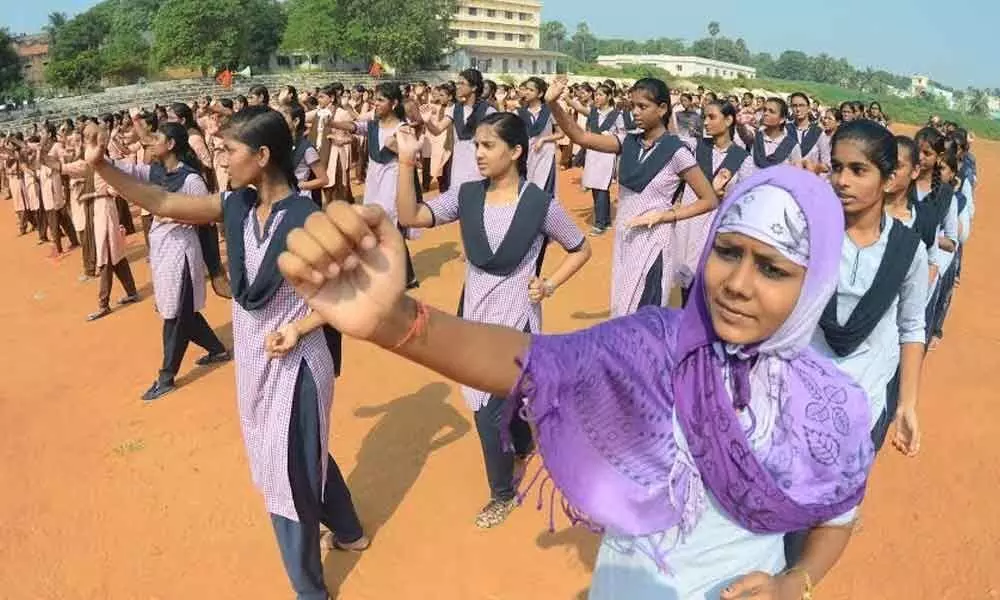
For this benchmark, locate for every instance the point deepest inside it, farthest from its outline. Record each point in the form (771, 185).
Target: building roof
(26, 51)
(510, 50)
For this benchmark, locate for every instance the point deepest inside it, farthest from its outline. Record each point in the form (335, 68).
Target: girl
(541, 133)
(847, 112)
(949, 179)
(258, 96)
(653, 165)
(284, 396)
(875, 114)
(689, 436)
(336, 144)
(599, 167)
(873, 328)
(724, 163)
(51, 187)
(506, 222)
(463, 119)
(941, 216)
(901, 204)
(442, 143)
(830, 121)
(16, 185)
(774, 143)
(175, 258)
(208, 235)
(807, 133)
(380, 134)
(309, 171)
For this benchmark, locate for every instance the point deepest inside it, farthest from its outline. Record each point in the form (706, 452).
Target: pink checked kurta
(599, 167)
(635, 250)
(381, 179)
(109, 240)
(691, 235)
(265, 387)
(51, 182)
(494, 298)
(441, 144)
(463, 162)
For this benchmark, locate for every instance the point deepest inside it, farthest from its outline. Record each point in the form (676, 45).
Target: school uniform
(463, 160)
(54, 202)
(284, 403)
(18, 199)
(691, 235)
(382, 178)
(178, 272)
(879, 305)
(808, 138)
(824, 152)
(768, 151)
(541, 163)
(339, 148)
(599, 167)
(938, 211)
(641, 262)
(33, 201)
(505, 247)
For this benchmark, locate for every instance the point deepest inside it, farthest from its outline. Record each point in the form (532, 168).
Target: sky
(901, 36)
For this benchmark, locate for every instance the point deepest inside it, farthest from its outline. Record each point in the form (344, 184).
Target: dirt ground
(103, 497)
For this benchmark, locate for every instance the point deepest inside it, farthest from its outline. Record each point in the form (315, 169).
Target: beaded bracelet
(807, 594)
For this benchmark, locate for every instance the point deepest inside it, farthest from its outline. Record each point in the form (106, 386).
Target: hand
(721, 180)
(349, 264)
(95, 141)
(649, 219)
(556, 88)
(538, 290)
(407, 143)
(279, 343)
(538, 145)
(761, 586)
(907, 436)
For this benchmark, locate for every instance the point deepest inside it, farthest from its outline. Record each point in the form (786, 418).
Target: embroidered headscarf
(604, 400)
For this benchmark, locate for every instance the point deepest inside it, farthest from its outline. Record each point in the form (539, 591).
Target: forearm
(698, 207)
(181, 207)
(910, 364)
(308, 324)
(409, 212)
(488, 353)
(823, 548)
(569, 266)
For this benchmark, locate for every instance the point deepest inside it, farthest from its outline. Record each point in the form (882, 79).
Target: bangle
(417, 327)
(549, 288)
(808, 592)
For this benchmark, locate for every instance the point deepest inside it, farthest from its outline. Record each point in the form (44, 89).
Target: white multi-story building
(500, 36)
(681, 66)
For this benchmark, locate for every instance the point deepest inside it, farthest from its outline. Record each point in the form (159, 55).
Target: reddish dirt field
(106, 498)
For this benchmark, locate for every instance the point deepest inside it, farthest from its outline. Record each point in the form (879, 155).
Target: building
(33, 52)
(921, 85)
(681, 66)
(500, 36)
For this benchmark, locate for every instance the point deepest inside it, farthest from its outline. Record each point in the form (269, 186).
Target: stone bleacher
(185, 90)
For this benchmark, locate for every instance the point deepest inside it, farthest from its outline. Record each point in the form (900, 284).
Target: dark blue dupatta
(635, 174)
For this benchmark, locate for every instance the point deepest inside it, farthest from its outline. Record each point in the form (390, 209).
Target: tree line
(584, 47)
(123, 40)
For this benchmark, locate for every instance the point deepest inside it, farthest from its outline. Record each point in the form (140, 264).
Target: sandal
(495, 513)
(359, 545)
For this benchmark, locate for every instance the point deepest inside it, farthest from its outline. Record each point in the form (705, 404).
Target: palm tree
(713, 31)
(979, 102)
(56, 22)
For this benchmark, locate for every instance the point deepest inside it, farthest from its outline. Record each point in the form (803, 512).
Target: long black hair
(909, 148)
(392, 92)
(183, 112)
(260, 126)
(727, 110)
(936, 140)
(475, 79)
(657, 91)
(875, 141)
(511, 129)
(178, 134)
(296, 112)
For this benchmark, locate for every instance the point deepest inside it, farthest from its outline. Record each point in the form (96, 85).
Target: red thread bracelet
(417, 327)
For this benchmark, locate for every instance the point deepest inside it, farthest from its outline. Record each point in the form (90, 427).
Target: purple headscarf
(603, 402)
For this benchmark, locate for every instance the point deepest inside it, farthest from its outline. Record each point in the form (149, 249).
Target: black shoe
(158, 390)
(412, 284)
(99, 314)
(130, 299)
(211, 359)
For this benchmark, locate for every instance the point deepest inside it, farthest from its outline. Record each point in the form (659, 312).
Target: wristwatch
(548, 287)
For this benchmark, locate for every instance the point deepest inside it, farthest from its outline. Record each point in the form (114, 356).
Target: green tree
(199, 34)
(979, 102)
(405, 35)
(10, 66)
(316, 26)
(553, 36)
(57, 20)
(792, 64)
(583, 44)
(75, 60)
(264, 26)
(713, 32)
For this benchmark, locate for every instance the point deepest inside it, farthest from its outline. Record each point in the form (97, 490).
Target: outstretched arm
(586, 139)
(181, 207)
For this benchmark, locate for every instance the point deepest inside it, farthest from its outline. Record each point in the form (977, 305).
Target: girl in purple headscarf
(694, 439)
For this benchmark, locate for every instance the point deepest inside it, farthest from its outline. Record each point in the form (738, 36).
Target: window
(473, 63)
(509, 15)
(548, 66)
(314, 59)
(473, 35)
(523, 16)
(521, 37)
(520, 64)
(679, 68)
(509, 37)
(473, 11)
(491, 35)
(283, 61)
(505, 65)
(490, 12)
(534, 67)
